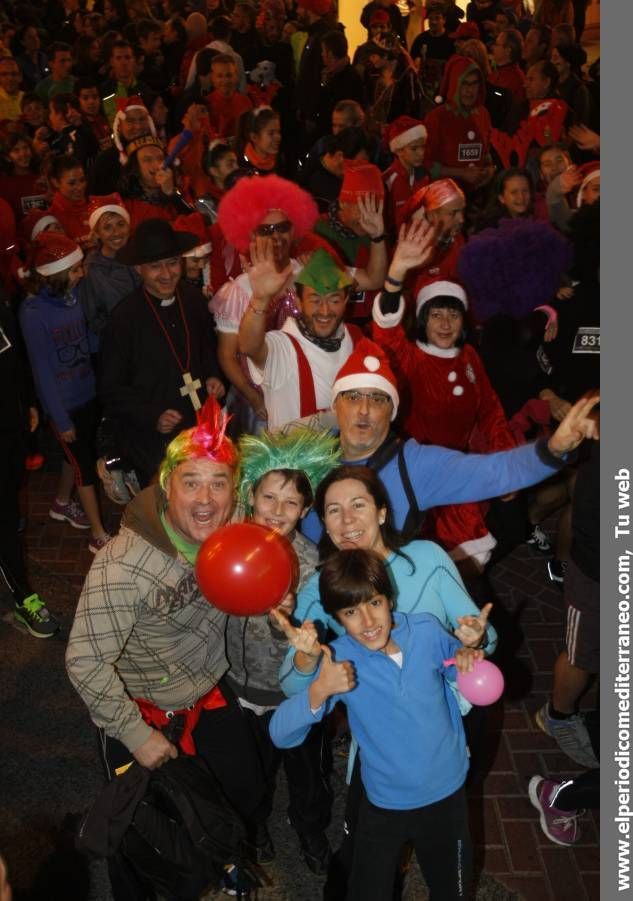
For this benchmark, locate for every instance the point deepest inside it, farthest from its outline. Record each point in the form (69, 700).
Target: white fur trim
(372, 364)
(200, 250)
(477, 548)
(116, 125)
(41, 224)
(357, 380)
(60, 265)
(407, 137)
(387, 320)
(437, 289)
(434, 351)
(108, 208)
(585, 182)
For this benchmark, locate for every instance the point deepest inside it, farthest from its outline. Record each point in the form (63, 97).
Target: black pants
(12, 568)
(440, 835)
(224, 740)
(306, 769)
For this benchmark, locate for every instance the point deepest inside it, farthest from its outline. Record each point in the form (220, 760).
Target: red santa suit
(457, 138)
(400, 182)
(447, 400)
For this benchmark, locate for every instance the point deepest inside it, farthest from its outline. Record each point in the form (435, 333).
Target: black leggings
(306, 768)
(440, 836)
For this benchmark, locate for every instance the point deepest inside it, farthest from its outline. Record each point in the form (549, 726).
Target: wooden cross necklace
(190, 386)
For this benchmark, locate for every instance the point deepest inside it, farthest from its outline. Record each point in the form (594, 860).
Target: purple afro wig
(513, 268)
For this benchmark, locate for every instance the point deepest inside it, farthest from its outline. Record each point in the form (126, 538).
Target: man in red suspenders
(296, 365)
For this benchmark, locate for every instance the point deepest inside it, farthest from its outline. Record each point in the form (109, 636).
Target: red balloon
(245, 569)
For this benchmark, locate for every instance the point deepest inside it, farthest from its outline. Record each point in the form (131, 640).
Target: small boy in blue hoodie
(388, 669)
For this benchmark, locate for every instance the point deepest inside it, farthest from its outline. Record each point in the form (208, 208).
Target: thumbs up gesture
(471, 629)
(333, 679)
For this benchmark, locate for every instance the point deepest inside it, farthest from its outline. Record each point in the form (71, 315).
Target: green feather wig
(313, 453)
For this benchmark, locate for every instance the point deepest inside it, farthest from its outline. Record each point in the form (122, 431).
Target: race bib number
(587, 341)
(34, 202)
(469, 153)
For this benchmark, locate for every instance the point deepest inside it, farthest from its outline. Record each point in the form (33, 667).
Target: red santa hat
(360, 178)
(318, 7)
(194, 224)
(367, 367)
(106, 203)
(123, 105)
(54, 253)
(34, 223)
(465, 31)
(440, 288)
(404, 130)
(589, 171)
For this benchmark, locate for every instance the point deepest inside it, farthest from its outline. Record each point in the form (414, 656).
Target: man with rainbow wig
(146, 649)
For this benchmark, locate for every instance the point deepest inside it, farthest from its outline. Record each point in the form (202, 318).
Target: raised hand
(414, 248)
(165, 181)
(584, 138)
(578, 424)
(266, 281)
(569, 179)
(471, 629)
(371, 219)
(333, 679)
(304, 639)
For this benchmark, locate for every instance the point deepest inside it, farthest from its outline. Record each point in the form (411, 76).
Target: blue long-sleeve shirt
(440, 476)
(406, 719)
(56, 338)
(432, 585)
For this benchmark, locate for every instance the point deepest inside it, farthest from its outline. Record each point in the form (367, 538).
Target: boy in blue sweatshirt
(388, 669)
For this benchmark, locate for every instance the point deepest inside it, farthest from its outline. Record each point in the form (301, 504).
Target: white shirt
(279, 378)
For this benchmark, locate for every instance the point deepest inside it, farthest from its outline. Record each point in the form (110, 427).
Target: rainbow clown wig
(247, 204)
(300, 449)
(205, 441)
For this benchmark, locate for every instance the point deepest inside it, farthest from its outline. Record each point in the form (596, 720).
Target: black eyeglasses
(275, 228)
(373, 398)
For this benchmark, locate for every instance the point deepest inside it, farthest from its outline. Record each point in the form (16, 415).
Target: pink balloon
(483, 686)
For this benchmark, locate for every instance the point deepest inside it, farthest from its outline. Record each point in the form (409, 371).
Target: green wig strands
(314, 453)
(205, 441)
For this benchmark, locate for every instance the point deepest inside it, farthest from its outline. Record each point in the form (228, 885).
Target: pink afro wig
(244, 207)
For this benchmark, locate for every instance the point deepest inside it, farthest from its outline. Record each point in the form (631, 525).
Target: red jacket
(512, 78)
(399, 186)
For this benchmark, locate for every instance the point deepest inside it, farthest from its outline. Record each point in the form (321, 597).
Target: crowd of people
(245, 276)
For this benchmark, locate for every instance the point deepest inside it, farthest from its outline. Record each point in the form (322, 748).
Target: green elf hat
(322, 273)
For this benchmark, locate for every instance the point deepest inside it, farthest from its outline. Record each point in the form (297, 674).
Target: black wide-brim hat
(154, 240)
